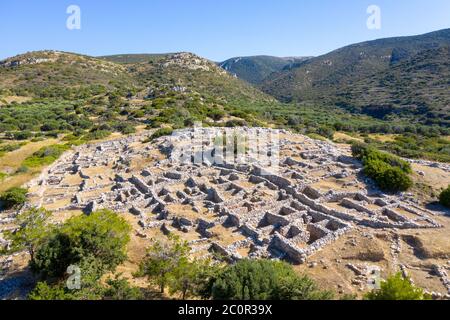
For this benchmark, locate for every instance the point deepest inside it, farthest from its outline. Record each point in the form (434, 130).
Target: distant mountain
(257, 68)
(418, 86)
(380, 73)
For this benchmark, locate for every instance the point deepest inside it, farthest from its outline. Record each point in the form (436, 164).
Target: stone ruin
(227, 209)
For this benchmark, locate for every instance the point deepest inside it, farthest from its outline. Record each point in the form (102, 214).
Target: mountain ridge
(330, 78)
(255, 69)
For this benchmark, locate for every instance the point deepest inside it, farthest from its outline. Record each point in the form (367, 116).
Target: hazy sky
(216, 29)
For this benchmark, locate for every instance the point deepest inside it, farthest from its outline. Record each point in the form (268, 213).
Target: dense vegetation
(444, 197)
(388, 79)
(10, 147)
(13, 198)
(264, 280)
(172, 90)
(168, 264)
(388, 171)
(397, 287)
(62, 75)
(418, 144)
(46, 155)
(95, 244)
(161, 133)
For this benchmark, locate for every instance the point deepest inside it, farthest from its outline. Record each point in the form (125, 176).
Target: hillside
(76, 92)
(56, 74)
(188, 73)
(132, 58)
(327, 78)
(43, 94)
(256, 69)
(418, 86)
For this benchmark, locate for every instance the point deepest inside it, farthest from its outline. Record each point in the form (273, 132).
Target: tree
(190, 277)
(161, 133)
(444, 197)
(120, 289)
(13, 198)
(326, 132)
(216, 114)
(33, 229)
(95, 243)
(397, 287)
(300, 288)
(45, 292)
(263, 280)
(164, 260)
(51, 292)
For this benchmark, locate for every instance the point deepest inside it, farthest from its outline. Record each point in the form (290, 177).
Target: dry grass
(10, 99)
(383, 137)
(225, 236)
(343, 137)
(13, 160)
(436, 178)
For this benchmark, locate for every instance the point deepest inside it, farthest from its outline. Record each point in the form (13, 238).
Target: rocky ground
(315, 209)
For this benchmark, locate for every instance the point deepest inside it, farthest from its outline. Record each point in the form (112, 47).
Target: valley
(357, 189)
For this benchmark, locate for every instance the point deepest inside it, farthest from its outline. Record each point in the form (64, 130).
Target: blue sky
(215, 29)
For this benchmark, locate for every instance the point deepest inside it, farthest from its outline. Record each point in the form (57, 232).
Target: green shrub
(444, 197)
(98, 135)
(22, 169)
(96, 243)
(394, 180)
(359, 150)
(22, 135)
(388, 171)
(115, 289)
(263, 280)
(300, 288)
(45, 156)
(161, 133)
(11, 147)
(216, 114)
(45, 292)
(163, 260)
(33, 228)
(13, 198)
(316, 136)
(126, 129)
(240, 114)
(235, 123)
(397, 288)
(327, 132)
(120, 289)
